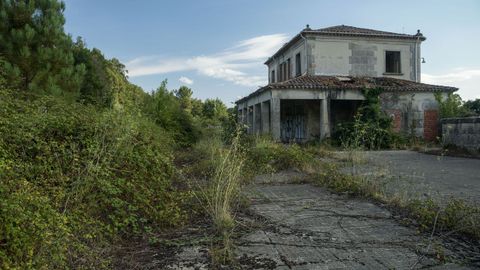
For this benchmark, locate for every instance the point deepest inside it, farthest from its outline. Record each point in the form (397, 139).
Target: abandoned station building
(316, 81)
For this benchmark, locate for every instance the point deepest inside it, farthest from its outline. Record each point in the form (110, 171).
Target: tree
(37, 52)
(164, 108)
(214, 109)
(197, 107)
(451, 106)
(95, 88)
(473, 106)
(184, 95)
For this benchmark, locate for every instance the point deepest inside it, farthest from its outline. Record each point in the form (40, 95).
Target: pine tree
(184, 95)
(37, 52)
(95, 88)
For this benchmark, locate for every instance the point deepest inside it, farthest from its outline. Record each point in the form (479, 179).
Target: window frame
(399, 71)
(298, 65)
(288, 63)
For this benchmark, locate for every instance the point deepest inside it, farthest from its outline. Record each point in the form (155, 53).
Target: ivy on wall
(371, 128)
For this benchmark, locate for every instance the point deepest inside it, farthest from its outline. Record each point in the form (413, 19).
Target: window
(298, 65)
(288, 69)
(279, 73)
(392, 62)
(272, 77)
(284, 71)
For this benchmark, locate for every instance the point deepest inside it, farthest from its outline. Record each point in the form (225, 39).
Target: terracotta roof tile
(321, 82)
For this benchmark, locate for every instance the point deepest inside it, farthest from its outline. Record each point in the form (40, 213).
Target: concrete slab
(311, 228)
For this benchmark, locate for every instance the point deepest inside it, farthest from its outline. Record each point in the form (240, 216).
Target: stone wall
(462, 132)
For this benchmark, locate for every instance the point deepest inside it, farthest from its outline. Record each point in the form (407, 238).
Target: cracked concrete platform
(307, 227)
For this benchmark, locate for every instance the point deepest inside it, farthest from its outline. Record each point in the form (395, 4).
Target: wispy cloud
(467, 80)
(232, 64)
(186, 80)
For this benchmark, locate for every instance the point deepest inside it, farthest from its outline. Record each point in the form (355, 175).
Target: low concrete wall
(462, 132)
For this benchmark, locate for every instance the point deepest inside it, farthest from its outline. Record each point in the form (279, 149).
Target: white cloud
(186, 80)
(466, 80)
(231, 65)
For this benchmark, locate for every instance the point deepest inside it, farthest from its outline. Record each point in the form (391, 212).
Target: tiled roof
(356, 31)
(321, 82)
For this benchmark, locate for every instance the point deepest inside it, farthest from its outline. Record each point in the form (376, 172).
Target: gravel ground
(423, 175)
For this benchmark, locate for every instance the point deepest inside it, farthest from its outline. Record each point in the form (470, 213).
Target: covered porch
(309, 107)
(298, 115)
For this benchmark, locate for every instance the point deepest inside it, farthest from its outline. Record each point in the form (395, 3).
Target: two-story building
(315, 82)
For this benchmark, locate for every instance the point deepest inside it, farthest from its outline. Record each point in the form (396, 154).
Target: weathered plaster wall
(412, 112)
(462, 132)
(298, 47)
(361, 57)
(317, 94)
(408, 110)
(350, 56)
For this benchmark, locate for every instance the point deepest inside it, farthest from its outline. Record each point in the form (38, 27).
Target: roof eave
(392, 36)
(436, 88)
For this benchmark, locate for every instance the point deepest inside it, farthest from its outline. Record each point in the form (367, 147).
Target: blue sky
(218, 47)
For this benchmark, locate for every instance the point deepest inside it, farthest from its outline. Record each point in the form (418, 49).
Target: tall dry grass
(220, 193)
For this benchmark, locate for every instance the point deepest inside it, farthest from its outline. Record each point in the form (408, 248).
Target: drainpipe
(305, 47)
(417, 42)
(416, 60)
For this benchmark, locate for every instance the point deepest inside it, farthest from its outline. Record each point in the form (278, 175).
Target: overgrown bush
(371, 127)
(76, 177)
(267, 156)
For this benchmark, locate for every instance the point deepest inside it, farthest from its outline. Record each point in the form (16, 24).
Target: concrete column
(275, 118)
(324, 118)
(245, 115)
(251, 119)
(240, 116)
(265, 108)
(254, 125)
(258, 117)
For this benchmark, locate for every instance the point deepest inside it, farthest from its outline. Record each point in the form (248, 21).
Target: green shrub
(331, 177)
(33, 235)
(456, 216)
(267, 156)
(74, 178)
